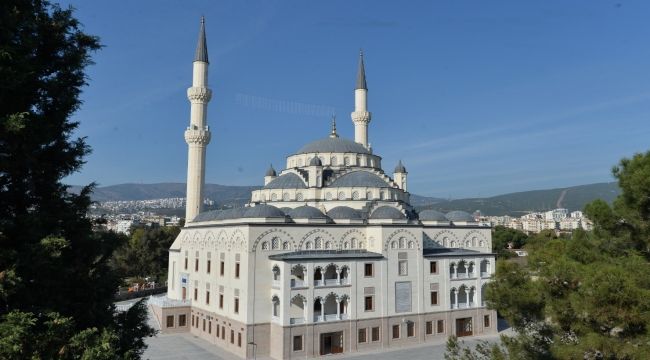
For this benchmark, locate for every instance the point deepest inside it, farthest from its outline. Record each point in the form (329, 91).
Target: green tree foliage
(56, 285)
(586, 296)
(146, 252)
(503, 236)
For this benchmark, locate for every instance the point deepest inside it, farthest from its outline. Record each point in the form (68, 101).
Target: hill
(519, 203)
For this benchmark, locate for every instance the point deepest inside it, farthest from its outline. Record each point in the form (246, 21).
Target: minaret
(197, 134)
(399, 174)
(361, 116)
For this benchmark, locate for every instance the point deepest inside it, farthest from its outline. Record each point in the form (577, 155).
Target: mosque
(327, 257)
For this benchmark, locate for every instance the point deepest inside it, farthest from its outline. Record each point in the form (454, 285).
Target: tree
(586, 296)
(56, 286)
(503, 236)
(146, 252)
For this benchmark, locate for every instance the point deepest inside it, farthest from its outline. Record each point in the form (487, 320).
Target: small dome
(400, 168)
(344, 212)
(306, 212)
(387, 212)
(432, 215)
(460, 216)
(315, 161)
(287, 181)
(235, 213)
(263, 211)
(271, 171)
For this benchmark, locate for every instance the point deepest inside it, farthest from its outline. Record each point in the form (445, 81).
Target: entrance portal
(331, 343)
(464, 327)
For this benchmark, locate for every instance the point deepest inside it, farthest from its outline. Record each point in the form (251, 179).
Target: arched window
(274, 197)
(346, 245)
(328, 196)
(411, 245)
(308, 245)
(369, 195)
(355, 195)
(354, 242)
(341, 195)
(474, 241)
(276, 306)
(299, 162)
(299, 197)
(265, 245)
(393, 245)
(285, 245)
(358, 160)
(361, 244)
(317, 243)
(452, 244)
(275, 243)
(402, 243)
(328, 245)
(333, 161)
(346, 161)
(285, 196)
(276, 273)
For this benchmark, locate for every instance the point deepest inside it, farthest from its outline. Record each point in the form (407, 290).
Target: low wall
(138, 294)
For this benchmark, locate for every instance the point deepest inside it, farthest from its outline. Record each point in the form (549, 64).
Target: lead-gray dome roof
(387, 212)
(458, 215)
(400, 168)
(432, 215)
(333, 145)
(235, 213)
(271, 171)
(287, 181)
(344, 212)
(315, 161)
(306, 212)
(263, 211)
(359, 178)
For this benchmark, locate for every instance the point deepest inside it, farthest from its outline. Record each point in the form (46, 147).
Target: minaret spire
(361, 116)
(361, 73)
(198, 133)
(201, 53)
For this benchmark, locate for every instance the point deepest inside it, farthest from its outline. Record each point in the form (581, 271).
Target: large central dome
(333, 145)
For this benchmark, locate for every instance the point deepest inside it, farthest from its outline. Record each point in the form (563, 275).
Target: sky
(477, 98)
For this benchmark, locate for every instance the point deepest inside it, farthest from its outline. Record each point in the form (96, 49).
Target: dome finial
(333, 134)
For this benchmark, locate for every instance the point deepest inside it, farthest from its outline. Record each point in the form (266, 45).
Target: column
(338, 277)
(322, 309)
(338, 308)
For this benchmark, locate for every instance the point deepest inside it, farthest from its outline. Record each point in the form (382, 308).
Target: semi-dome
(344, 212)
(263, 211)
(287, 181)
(333, 145)
(306, 212)
(360, 178)
(387, 212)
(235, 213)
(315, 161)
(432, 215)
(458, 215)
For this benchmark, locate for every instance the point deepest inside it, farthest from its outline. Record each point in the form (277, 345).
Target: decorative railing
(296, 321)
(331, 317)
(485, 274)
(165, 302)
(296, 283)
(332, 282)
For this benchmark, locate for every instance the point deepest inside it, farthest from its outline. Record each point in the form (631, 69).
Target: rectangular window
(209, 327)
(182, 320)
(186, 263)
(362, 336)
(232, 336)
(236, 270)
(410, 329)
(196, 264)
(220, 301)
(441, 327)
(236, 305)
(367, 270)
(207, 297)
(170, 321)
(223, 333)
(395, 331)
(434, 298)
(433, 267)
(204, 325)
(375, 334)
(218, 330)
(297, 343)
(239, 339)
(222, 267)
(429, 327)
(196, 294)
(208, 266)
(368, 303)
(486, 321)
(192, 320)
(403, 267)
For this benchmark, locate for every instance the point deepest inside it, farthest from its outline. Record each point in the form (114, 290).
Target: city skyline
(472, 106)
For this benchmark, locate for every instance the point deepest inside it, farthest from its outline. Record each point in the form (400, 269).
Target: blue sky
(477, 98)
